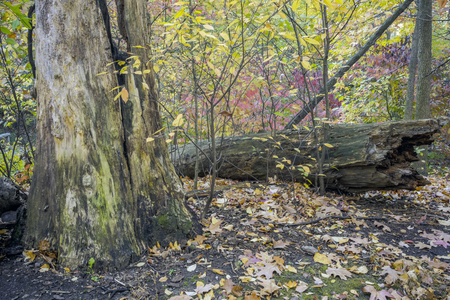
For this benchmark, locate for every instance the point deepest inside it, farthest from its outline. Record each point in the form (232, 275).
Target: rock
(9, 195)
(309, 250)
(9, 216)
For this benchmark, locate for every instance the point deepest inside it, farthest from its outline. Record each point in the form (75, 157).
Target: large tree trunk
(362, 157)
(99, 191)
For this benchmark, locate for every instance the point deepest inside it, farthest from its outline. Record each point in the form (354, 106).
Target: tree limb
(352, 60)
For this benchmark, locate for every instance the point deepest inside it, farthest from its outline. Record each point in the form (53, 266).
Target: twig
(331, 217)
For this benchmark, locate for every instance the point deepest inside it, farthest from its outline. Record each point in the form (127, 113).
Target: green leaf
(10, 41)
(5, 30)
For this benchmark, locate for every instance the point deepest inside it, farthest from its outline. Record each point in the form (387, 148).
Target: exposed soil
(250, 239)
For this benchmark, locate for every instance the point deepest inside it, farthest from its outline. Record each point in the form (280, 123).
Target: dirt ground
(277, 241)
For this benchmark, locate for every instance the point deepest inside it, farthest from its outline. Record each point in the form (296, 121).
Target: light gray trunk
(410, 90)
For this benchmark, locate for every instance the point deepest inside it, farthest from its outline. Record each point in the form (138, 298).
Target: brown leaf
(225, 113)
(442, 3)
(341, 272)
(268, 270)
(269, 286)
(280, 244)
(383, 227)
(228, 285)
(124, 94)
(392, 275)
(237, 290)
(252, 296)
(215, 226)
(376, 295)
(44, 245)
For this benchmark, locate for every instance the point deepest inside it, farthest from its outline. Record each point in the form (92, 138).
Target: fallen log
(357, 157)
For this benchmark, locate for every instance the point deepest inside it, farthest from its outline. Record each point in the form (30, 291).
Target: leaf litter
(281, 241)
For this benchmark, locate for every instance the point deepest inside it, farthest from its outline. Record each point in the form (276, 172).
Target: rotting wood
(363, 157)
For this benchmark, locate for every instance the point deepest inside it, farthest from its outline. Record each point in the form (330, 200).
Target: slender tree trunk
(99, 190)
(424, 60)
(424, 73)
(410, 95)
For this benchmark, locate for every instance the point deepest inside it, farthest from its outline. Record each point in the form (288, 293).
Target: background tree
(100, 190)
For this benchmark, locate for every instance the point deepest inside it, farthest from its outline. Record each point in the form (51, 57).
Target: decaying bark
(99, 190)
(363, 157)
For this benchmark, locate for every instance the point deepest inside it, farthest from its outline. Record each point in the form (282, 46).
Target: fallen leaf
(301, 287)
(269, 287)
(237, 290)
(392, 275)
(181, 297)
(321, 258)
(191, 268)
(376, 295)
(218, 271)
(290, 284)
(341, 272)
(227, 285)
(163, 279)
(421, 245)
(280, 244)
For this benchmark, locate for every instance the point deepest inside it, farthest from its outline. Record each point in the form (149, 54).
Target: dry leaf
(321, 258)
(341, 272)
(269, 287)
(124, 94)
(237, 290)
(301, 287)
(218, 271)
(280, 244)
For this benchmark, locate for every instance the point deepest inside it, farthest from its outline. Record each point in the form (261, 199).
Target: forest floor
(272, 241)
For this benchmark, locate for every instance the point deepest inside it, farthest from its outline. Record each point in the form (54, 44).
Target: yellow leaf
(163, 279)
(295, 5)
(150, 139)
(178, 122)
(208, 27)
(125, 95)
(218, 271)
(328, 145)
(306, 65)
(102, 73)
(179, 14)
(44, 268)
(29, 255)
(168, 141)
(281, 166)
(118, 95)
(321, 258)
(224, 36)
(290, 268)
(67, 270)
(290, 284)
(311, 41)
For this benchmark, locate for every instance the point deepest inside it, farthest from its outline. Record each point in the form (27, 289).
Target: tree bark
(362, 157)
(347, 65)
(424, 55)
(410, 90)
(99, 190)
